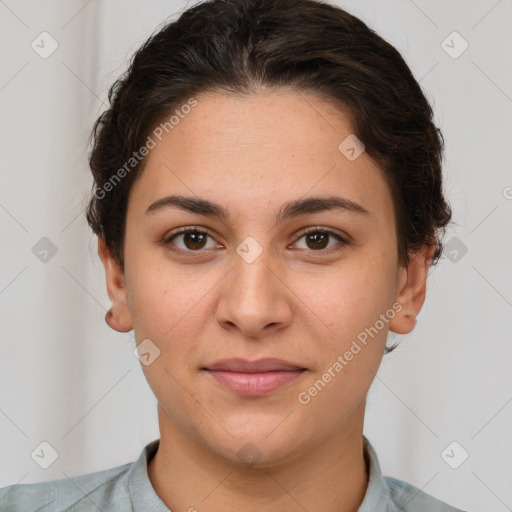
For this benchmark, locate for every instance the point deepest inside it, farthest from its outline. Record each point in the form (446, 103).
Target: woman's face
(255, 285)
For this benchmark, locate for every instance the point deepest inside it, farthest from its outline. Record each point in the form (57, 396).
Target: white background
(68, 379)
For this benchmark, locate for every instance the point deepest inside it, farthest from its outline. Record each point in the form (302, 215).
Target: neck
(331, 476)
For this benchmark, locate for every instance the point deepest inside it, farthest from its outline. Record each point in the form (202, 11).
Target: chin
(256, 449)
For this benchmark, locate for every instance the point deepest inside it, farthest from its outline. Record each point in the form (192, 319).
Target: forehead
(260, 151)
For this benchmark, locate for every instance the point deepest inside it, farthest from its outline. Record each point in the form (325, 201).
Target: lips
(258, 366)
(254, 378)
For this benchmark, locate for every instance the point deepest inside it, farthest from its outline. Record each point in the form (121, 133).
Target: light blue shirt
(127, 488)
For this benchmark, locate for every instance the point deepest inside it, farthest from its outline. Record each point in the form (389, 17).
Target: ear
(118, 317)
(412, 289)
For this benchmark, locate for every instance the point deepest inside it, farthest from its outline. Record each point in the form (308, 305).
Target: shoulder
(393, 495)
(103, 490)
(408, 498)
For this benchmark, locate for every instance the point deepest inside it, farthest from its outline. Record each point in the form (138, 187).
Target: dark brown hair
(238, 47)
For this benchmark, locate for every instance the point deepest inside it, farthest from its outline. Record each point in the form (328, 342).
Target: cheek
(349, 356)
(163, 299)
(166, 309)
(171, 309)
(350, 298)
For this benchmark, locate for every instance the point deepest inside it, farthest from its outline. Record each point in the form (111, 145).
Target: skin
(298, 301)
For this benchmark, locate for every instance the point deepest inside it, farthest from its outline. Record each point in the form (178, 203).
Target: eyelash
(342, 241)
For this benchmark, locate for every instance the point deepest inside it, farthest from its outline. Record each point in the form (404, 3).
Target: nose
(255, 298)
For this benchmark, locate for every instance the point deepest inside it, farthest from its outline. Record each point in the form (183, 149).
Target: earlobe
(412, 290)
(118, 317)
(113, 322)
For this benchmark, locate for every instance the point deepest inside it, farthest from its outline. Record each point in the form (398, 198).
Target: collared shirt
(127, 488)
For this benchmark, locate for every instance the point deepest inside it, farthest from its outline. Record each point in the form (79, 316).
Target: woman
(268, 203)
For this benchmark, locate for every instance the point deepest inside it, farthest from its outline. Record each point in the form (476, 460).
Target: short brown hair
(238, 46)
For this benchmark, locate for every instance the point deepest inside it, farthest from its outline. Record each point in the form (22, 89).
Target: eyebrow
(288, 210)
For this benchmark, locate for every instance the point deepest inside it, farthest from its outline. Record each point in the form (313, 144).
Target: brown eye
(318, 240)
(192, 240)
